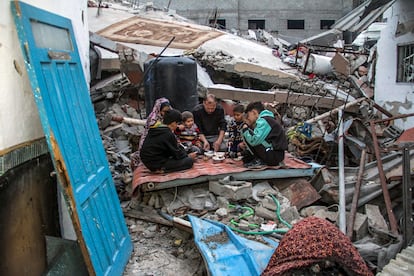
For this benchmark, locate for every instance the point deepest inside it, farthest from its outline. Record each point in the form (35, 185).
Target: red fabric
(142, 175)
(314, 240)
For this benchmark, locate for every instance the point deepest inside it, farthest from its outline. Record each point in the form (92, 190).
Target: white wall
(398, 98)
(19, 119)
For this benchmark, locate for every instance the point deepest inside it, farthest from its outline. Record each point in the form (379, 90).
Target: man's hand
(206, 146)
(193, 155)
(216, 145)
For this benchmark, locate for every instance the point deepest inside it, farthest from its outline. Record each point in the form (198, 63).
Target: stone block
(375, 218)
(329, 215)
(360, 226)
(290, 214)
(265, 213)
(232, 190)
(269, 203)
(311, 210)
(300, 193)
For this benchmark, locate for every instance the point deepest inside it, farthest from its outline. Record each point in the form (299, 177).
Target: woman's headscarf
(155, 114)
(154, 117)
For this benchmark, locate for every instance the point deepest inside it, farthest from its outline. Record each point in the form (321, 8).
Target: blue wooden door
(61, 93)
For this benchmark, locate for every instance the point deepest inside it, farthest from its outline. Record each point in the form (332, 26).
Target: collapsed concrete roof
(139, 30)
(150, 34)
(354, 22)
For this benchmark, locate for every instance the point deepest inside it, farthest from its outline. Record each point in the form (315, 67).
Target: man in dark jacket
(266, 139)
(209, 117)
(160, 151)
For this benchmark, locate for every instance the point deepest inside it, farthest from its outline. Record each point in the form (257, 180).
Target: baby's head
(188, 119)
(238, 112)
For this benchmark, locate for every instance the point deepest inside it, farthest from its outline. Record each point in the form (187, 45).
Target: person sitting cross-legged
(189, 135)
(209, 117)
(160, 151)
(266, 140)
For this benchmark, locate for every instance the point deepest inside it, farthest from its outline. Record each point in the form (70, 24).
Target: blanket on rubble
(142, 175)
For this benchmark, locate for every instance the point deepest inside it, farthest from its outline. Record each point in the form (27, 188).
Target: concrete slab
(232, 190)
(375, 218)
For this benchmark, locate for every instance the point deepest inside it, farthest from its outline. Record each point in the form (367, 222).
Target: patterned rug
(143, 175)
(158, 33)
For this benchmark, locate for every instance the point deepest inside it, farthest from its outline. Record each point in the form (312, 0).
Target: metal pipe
(342, 201)
(383, 110)
(401, 116)
(407, 198)
(385, 192)
(357, 191)
(333, 111)
(307, 60)
(131, 121)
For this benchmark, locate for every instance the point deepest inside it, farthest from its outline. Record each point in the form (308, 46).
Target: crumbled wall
(395, 97)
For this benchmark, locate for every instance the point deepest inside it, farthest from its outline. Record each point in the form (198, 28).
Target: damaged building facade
(396, 52)
(291, 20)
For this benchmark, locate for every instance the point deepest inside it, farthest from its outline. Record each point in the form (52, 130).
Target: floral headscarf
(155, 114)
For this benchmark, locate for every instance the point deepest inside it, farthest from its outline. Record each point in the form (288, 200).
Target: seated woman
(154, 119)
(160, 151)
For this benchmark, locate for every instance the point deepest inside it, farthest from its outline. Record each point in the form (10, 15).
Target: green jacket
(267, 132)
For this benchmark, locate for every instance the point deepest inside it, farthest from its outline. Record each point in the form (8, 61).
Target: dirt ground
(162, 251)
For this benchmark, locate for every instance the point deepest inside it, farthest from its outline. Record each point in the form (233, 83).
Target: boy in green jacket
(265, 138)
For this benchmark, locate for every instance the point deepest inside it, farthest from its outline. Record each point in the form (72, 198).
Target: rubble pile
(162, 250)
(113, 101)
(322, 96)
(252, 207)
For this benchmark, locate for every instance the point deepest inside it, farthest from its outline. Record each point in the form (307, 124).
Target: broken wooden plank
(150, 216)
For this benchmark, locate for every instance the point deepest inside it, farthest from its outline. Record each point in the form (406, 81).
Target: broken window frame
(295, 24)
(256, 24)
(405, 63)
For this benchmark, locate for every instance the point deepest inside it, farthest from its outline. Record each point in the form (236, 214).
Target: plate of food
(217, 159)
(219, 154)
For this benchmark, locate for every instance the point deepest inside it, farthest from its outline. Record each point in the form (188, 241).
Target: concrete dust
(158, 251)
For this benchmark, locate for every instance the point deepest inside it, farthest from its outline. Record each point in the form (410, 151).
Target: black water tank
(174, 78)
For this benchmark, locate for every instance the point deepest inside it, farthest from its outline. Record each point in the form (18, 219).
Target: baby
(188, 134)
